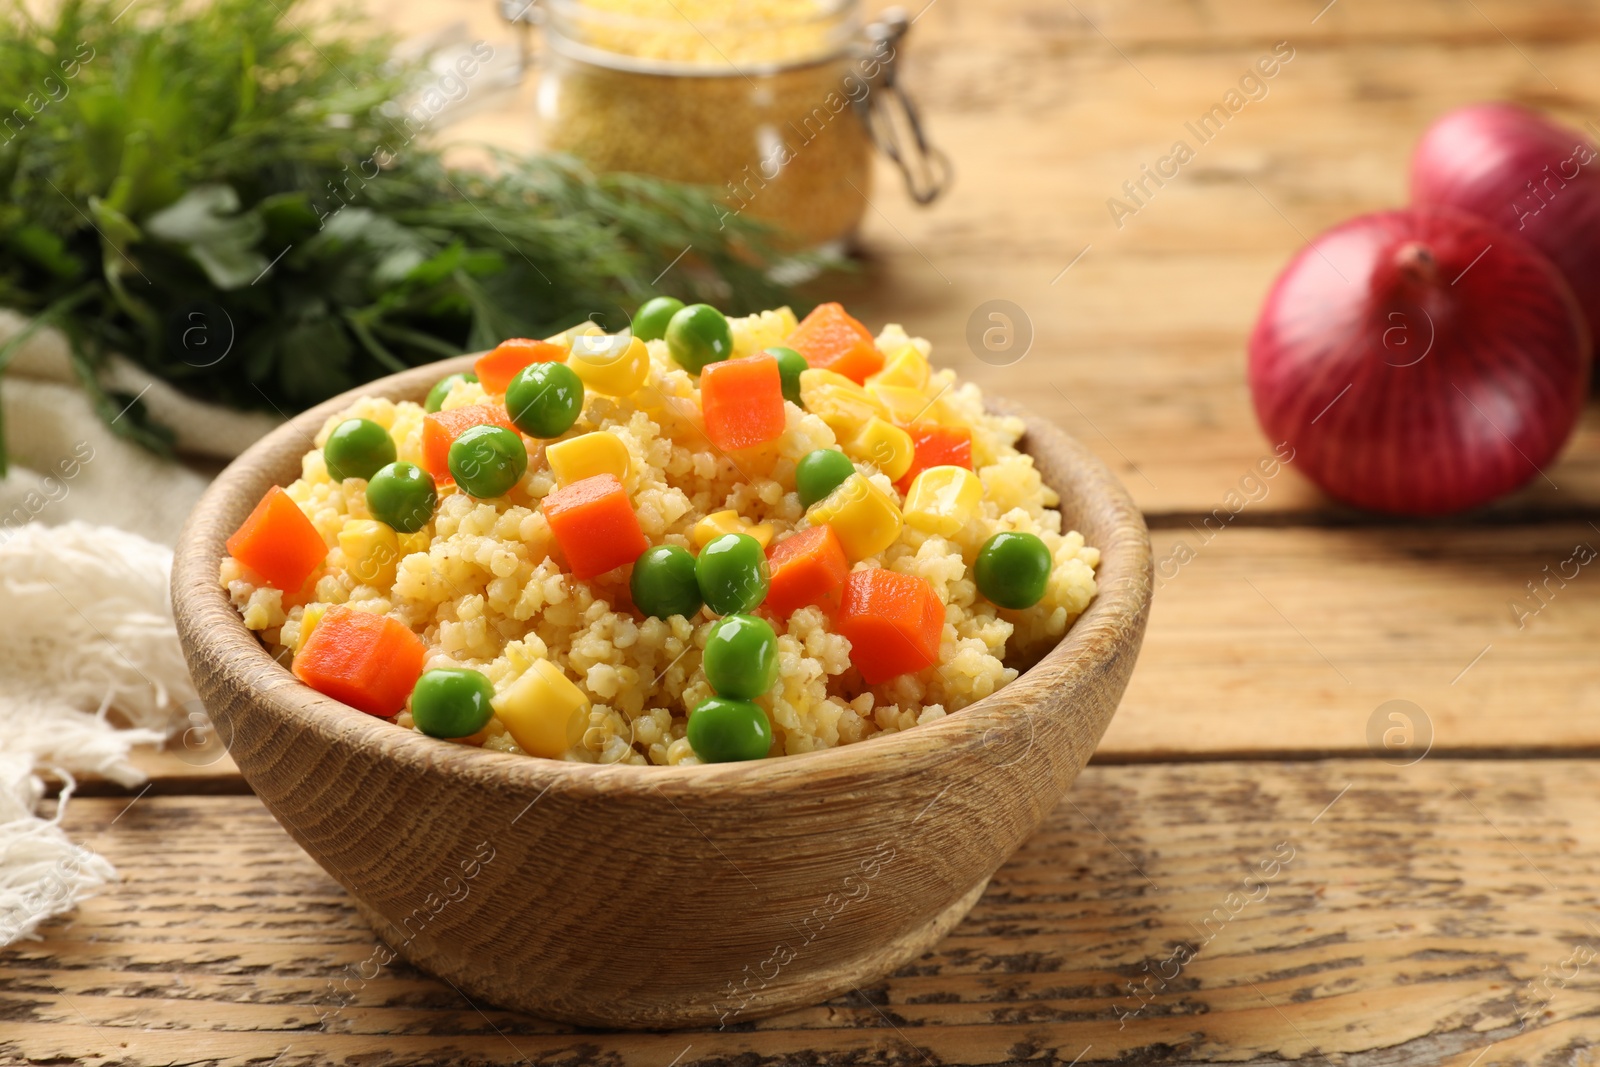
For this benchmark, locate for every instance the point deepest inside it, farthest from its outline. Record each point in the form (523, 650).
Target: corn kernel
(839, 402)
(863, 517)
(884, 445)
(907, 368)
(371, 552)
(722, 522)
(586, 455)
(614, 365)
(943, 499)
(543, 711)
(308, 622)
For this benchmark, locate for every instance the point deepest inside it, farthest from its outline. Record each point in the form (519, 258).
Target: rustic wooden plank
(1287, 641)
(1398, 914)
(172, 770)
(166, 772)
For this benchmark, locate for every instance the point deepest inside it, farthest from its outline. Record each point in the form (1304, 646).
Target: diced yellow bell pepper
(371, 552)
(941, 500)
(839, 402)
(722, 522)
(308, 622)
(907, 368)
(884, 445)
(863, 517)
(610, 364)
(544, 711)
(586, 455)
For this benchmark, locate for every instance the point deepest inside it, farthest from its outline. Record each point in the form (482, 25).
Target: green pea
(741, 657)
(402, 495)
(732, 573)
(819, 473)
(790, 364)
(726, 731)
(1013, 569)
(487, 460)
(356, 449)
(451, 702)
(650, 321)
(698, 335)
(442, 387)
(545, 399)
(664, 583)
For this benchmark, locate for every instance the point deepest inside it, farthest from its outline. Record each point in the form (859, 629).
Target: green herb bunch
(244, 201)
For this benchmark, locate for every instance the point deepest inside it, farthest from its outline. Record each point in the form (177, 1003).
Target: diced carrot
(370, 662)
(441, 428)
(808, 568)
(936, 446)
(894, 623)
(498, 366)
(742, 402)
(594, 523)
(831, 339)
(278, 542)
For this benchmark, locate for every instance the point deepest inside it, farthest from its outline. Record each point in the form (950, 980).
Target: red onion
(1523, 173)
(1419, 362)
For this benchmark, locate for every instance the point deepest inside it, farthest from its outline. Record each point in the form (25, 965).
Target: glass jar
(776, 103)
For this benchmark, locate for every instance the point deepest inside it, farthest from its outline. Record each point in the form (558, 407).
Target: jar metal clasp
(524, 15)
(891, 116)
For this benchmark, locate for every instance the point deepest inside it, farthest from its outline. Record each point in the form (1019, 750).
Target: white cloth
(89, 629)
(89, 658)
(42, 873)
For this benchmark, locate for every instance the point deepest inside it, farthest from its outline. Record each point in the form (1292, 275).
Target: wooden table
(1437, 906)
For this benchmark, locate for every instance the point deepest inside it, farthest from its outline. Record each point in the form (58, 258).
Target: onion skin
(1524, 173)
(1411, 371)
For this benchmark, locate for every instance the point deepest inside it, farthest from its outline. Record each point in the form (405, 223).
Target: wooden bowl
(624, 896)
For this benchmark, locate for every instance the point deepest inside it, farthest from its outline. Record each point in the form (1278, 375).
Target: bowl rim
(220, 640)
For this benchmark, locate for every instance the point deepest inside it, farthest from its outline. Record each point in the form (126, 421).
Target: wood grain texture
(443, 845)
(1416, 916)
(1271, 642)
